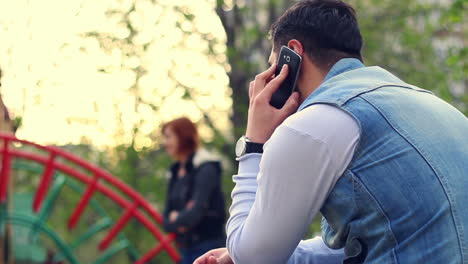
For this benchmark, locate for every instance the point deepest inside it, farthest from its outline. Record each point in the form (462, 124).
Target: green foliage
(416, 41)
(454, 14)
(419, 43)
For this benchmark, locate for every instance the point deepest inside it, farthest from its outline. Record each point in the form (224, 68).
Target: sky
(71, 87)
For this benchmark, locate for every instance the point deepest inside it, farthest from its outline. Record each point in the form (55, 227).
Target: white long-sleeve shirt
(278, 193)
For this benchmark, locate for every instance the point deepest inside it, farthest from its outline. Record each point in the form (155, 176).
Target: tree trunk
(248, 48)
(6, 250)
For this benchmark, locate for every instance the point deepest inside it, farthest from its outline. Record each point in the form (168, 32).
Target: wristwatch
(245, 146)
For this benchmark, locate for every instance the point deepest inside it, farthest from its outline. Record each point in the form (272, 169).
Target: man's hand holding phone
(215, 256)
(263, 118)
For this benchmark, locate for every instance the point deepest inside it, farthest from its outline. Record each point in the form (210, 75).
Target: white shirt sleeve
(278, 194)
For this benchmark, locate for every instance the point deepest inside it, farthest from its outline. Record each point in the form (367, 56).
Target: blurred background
(99, 78)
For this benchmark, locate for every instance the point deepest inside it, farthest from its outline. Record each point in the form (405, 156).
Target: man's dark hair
(327, 29)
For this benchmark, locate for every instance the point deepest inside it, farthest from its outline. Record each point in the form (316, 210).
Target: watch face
(240, 147)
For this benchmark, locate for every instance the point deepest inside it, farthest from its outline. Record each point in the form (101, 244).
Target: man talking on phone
(385, 162)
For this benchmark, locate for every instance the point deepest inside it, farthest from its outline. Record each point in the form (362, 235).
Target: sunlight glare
(69, 86)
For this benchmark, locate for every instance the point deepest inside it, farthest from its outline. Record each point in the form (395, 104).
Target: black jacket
(202, 185)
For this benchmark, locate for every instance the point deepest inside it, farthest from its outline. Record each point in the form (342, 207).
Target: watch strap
(252, 147)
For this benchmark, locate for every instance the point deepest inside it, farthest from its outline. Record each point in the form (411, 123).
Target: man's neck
(310, 79)
(313, 76)
(342, 66)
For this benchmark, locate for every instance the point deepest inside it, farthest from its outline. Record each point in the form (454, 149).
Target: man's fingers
(266, 74)
(215, 256)
(212, 260)
(261, 80)
(276, 82)
(225, 259)
(251, 90)
(291, 105)
(205, 258)
(269, 79)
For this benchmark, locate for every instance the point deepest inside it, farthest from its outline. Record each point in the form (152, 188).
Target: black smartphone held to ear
(293, 60)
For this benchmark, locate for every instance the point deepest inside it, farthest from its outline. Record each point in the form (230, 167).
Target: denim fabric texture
(404, 196)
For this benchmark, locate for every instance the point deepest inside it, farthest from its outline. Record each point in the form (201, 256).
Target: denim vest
(404, 196)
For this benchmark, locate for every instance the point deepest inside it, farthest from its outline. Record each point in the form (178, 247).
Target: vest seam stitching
(364, 187)
(382, 86)
(453, 215)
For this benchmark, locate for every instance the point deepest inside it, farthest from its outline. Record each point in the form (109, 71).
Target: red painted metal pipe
(4, 175)
(118, 226)
(96, 170)
(44, 185)
(132, 200)
(104, 190)
(83, 203)
(153, 252)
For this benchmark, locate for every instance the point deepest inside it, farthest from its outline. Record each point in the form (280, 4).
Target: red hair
(186, 133)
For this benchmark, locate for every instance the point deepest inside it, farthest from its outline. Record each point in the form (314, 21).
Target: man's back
(390, 178)
(403, 197)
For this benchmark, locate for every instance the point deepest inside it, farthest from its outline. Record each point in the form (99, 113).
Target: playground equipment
(62, 169)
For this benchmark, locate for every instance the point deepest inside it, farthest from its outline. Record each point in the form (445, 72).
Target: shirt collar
(341, 66)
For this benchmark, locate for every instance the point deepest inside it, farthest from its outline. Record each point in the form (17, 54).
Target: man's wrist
(256, 137)
(245, 146)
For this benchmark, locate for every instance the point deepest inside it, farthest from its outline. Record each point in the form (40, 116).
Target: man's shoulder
(319, 116)
(324, 122)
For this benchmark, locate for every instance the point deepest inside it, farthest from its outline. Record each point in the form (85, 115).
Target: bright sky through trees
(68, 88)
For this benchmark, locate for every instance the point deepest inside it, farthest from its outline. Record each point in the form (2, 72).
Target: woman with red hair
(195, 203)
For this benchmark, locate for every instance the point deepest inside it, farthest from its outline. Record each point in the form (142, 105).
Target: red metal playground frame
(132, 203)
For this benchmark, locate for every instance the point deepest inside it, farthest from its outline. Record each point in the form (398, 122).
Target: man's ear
(296, 45)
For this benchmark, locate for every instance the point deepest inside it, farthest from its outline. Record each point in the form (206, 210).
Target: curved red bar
(4, 174)
(133, 203)
(44, 185)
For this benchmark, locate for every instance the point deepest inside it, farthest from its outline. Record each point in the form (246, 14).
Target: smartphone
(293, 60)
